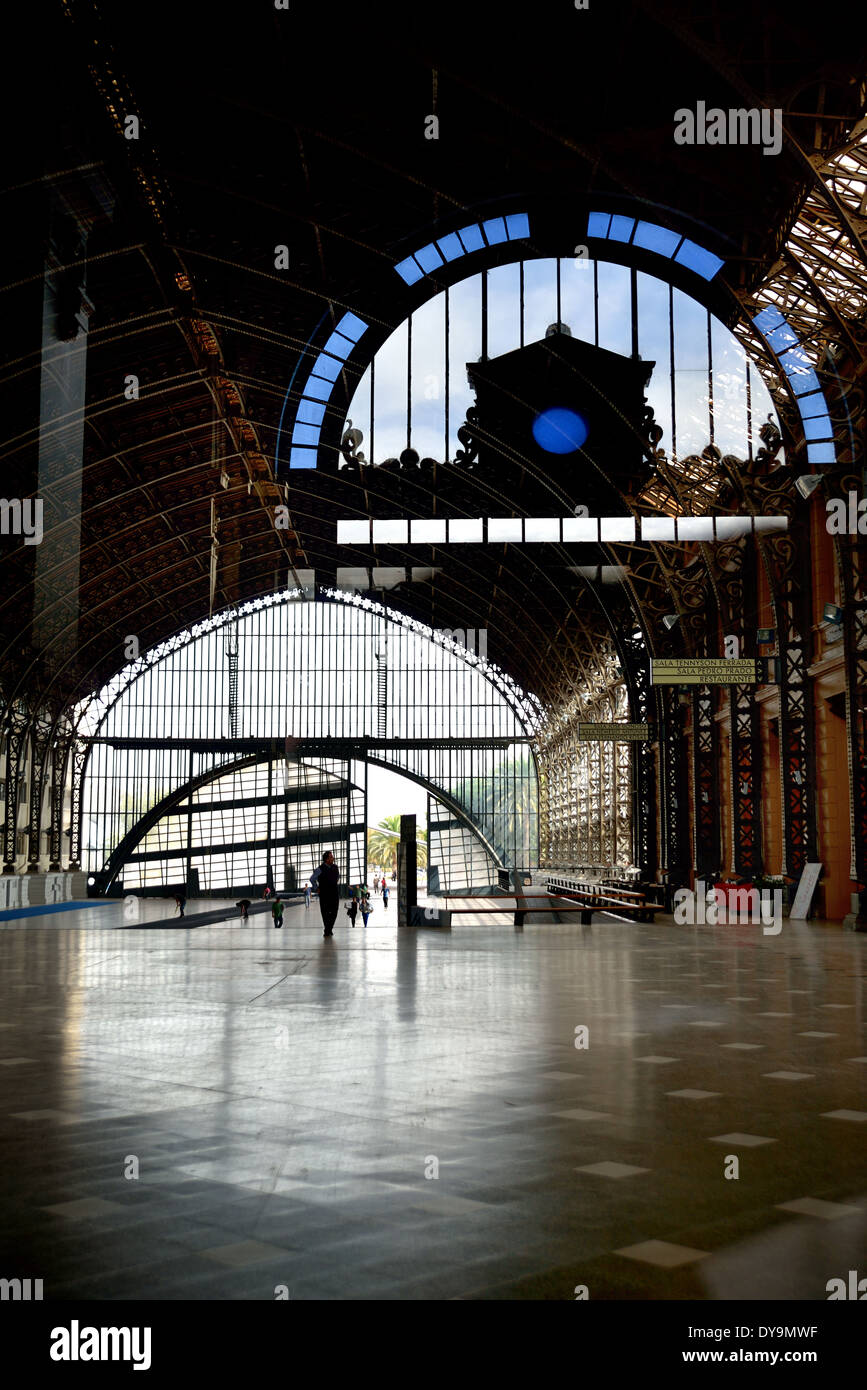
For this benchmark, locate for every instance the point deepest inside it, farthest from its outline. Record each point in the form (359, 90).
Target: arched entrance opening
(188, 781)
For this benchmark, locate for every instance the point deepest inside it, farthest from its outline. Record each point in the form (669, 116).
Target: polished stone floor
(286, 1102)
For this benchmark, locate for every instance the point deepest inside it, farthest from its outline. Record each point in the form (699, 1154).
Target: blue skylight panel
(302, 458)
(803, 381)
(821, 453)
(621, 228)
(768, 319)
(659, 239)
(818, 428)
(694, 257)
(408, 270)
(339, 346)
(597, 224)
(352, 327)
(813, 405)
(306, 434)
(310, 413)
(794, 361)
(450, 246)
(429, 257)
(495, 231)
(781, 338)
(517, 226)
(329, 367)
(318, 389)
(472, 238)
(802, 378)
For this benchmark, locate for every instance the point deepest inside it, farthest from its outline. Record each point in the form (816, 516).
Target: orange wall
(834, 837)
(771, 799)
(832, 767)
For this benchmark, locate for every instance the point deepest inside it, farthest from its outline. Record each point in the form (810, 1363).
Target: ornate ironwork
(80, 755)
(40, 743)
(59, 762)
(16, 730)
(673, 807)
(705, 782)
(636, 667)
(349, 445)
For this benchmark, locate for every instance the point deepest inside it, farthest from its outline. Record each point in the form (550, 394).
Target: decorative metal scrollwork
(468, 437)
(352, 438)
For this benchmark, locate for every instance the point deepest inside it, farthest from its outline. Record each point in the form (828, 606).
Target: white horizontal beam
(605, 530)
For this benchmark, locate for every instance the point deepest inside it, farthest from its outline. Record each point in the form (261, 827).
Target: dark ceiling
(306, 127)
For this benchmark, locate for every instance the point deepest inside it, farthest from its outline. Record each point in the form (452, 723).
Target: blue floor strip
(40, 909)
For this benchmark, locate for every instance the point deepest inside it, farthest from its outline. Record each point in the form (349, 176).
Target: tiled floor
(221, 1112)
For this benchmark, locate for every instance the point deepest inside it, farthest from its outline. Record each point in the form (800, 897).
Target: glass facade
(266, 824)
(187, 781)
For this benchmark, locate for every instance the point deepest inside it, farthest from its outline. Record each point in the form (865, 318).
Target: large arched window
(415, 393)
(186, 765)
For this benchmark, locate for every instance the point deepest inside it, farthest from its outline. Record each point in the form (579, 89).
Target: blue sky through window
(696, 369)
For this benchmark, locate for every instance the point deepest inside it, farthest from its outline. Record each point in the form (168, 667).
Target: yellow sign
(703, 671)
(616, 733)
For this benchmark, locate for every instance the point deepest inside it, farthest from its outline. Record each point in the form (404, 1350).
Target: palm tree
(383, 840)
(503, 803)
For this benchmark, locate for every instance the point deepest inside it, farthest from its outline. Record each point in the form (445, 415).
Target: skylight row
(552, 529)
(318, 387)
(651, 237)
(815, 419)
(475, 237)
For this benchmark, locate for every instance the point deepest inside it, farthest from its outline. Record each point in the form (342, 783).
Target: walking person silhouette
(329, 897)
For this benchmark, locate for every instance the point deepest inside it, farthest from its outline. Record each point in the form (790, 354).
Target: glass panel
(390, 401)
(428, 378)
(358, 414)
(690, 375)
(540, 298)
(761, 407)
(465, 345)
(615, 312)
(729, 391)
(654, 345)
(576, 297)
(504, 310)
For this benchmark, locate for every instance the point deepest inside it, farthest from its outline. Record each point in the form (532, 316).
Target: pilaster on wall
(788, 562)
(705, 785)
(674, 847)
(17, 726)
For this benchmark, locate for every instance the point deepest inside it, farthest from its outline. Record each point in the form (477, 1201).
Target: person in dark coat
(329, 898)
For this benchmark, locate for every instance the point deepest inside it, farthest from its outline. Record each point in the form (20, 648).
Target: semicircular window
(703, 388)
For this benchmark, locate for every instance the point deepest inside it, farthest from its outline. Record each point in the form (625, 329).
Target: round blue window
(559, 431)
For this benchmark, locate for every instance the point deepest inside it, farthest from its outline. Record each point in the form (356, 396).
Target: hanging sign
(614, 733)
(703, 671)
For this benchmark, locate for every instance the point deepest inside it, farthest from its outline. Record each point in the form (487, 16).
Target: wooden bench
(544, 902)
(603, 898)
